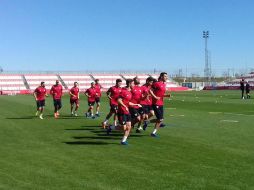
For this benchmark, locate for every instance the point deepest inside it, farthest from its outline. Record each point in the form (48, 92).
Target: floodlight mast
(207, 70)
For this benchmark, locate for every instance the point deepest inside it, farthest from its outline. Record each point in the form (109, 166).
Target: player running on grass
(146, 102)
(113, 95)
(158, 93)
(98, 96)
(74, 99)
(91, 94)
(39, 94)
(124, 117)
(136, 111)
(57, 92)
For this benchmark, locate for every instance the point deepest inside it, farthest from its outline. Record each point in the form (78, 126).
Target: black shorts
(91, 103)
(40, 103)
(158, 110)
(146, 109)
(134, 112)
(97, 99)
(113, 108)
(57, 103)
(124, 118)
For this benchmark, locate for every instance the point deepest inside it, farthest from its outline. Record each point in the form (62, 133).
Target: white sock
(97, 112)
(124, 138)
(154, 131)
(115, 123)
(105, 122)
(140, 128)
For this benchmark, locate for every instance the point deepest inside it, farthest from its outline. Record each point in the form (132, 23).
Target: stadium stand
(171, 85)
(84, 80)
(34, 80)
(107, 80)
(142, 77)
(11, 84)
(234, 84)
(25, 84)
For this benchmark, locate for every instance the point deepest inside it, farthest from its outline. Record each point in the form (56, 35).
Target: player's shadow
(153, 120)
(96, 137)
(69, 117)
(85, 128)
(115, 134)
(94, 126)
(24, 117)
(81, 129)
(87, 143)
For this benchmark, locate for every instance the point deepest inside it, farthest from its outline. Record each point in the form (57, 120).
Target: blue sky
(125, 34)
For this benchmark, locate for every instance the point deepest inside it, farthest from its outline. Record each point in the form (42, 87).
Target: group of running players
(130, 105)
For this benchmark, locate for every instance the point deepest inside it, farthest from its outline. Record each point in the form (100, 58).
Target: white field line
(227, 113)
(176, 115)
(239, 114)
(214, 112)
(230, 121)
(170, 108)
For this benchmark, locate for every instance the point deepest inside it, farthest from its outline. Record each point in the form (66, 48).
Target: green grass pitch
(208, 144)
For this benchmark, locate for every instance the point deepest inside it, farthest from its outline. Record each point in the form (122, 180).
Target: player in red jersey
(91, 95)
(146, 101)
(39, 94)
(158, 93)
(74, 98)
(57, 92)
(124, 102)
(136, 111)
(113, 95)
(98, 96)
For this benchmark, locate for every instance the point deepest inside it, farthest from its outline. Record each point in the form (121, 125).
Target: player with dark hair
(39, 94)
(242, 87)
(136, 111)
(146, 101)
(91, 95)
(98, 96)
(113, 95)
(57, 91)
(247, 88)
(124, 102)
(158, 93)
(74, 98)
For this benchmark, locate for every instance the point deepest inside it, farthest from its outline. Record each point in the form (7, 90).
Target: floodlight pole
(206, 70)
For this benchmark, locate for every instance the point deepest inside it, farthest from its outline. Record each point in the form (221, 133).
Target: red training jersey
(136, 95)
(114, 94)
(98, 90)
(56, 91)
(146, 98)
(92, 93)
(40, 93)
(126, 96)
(159, 89)
(74, 91)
